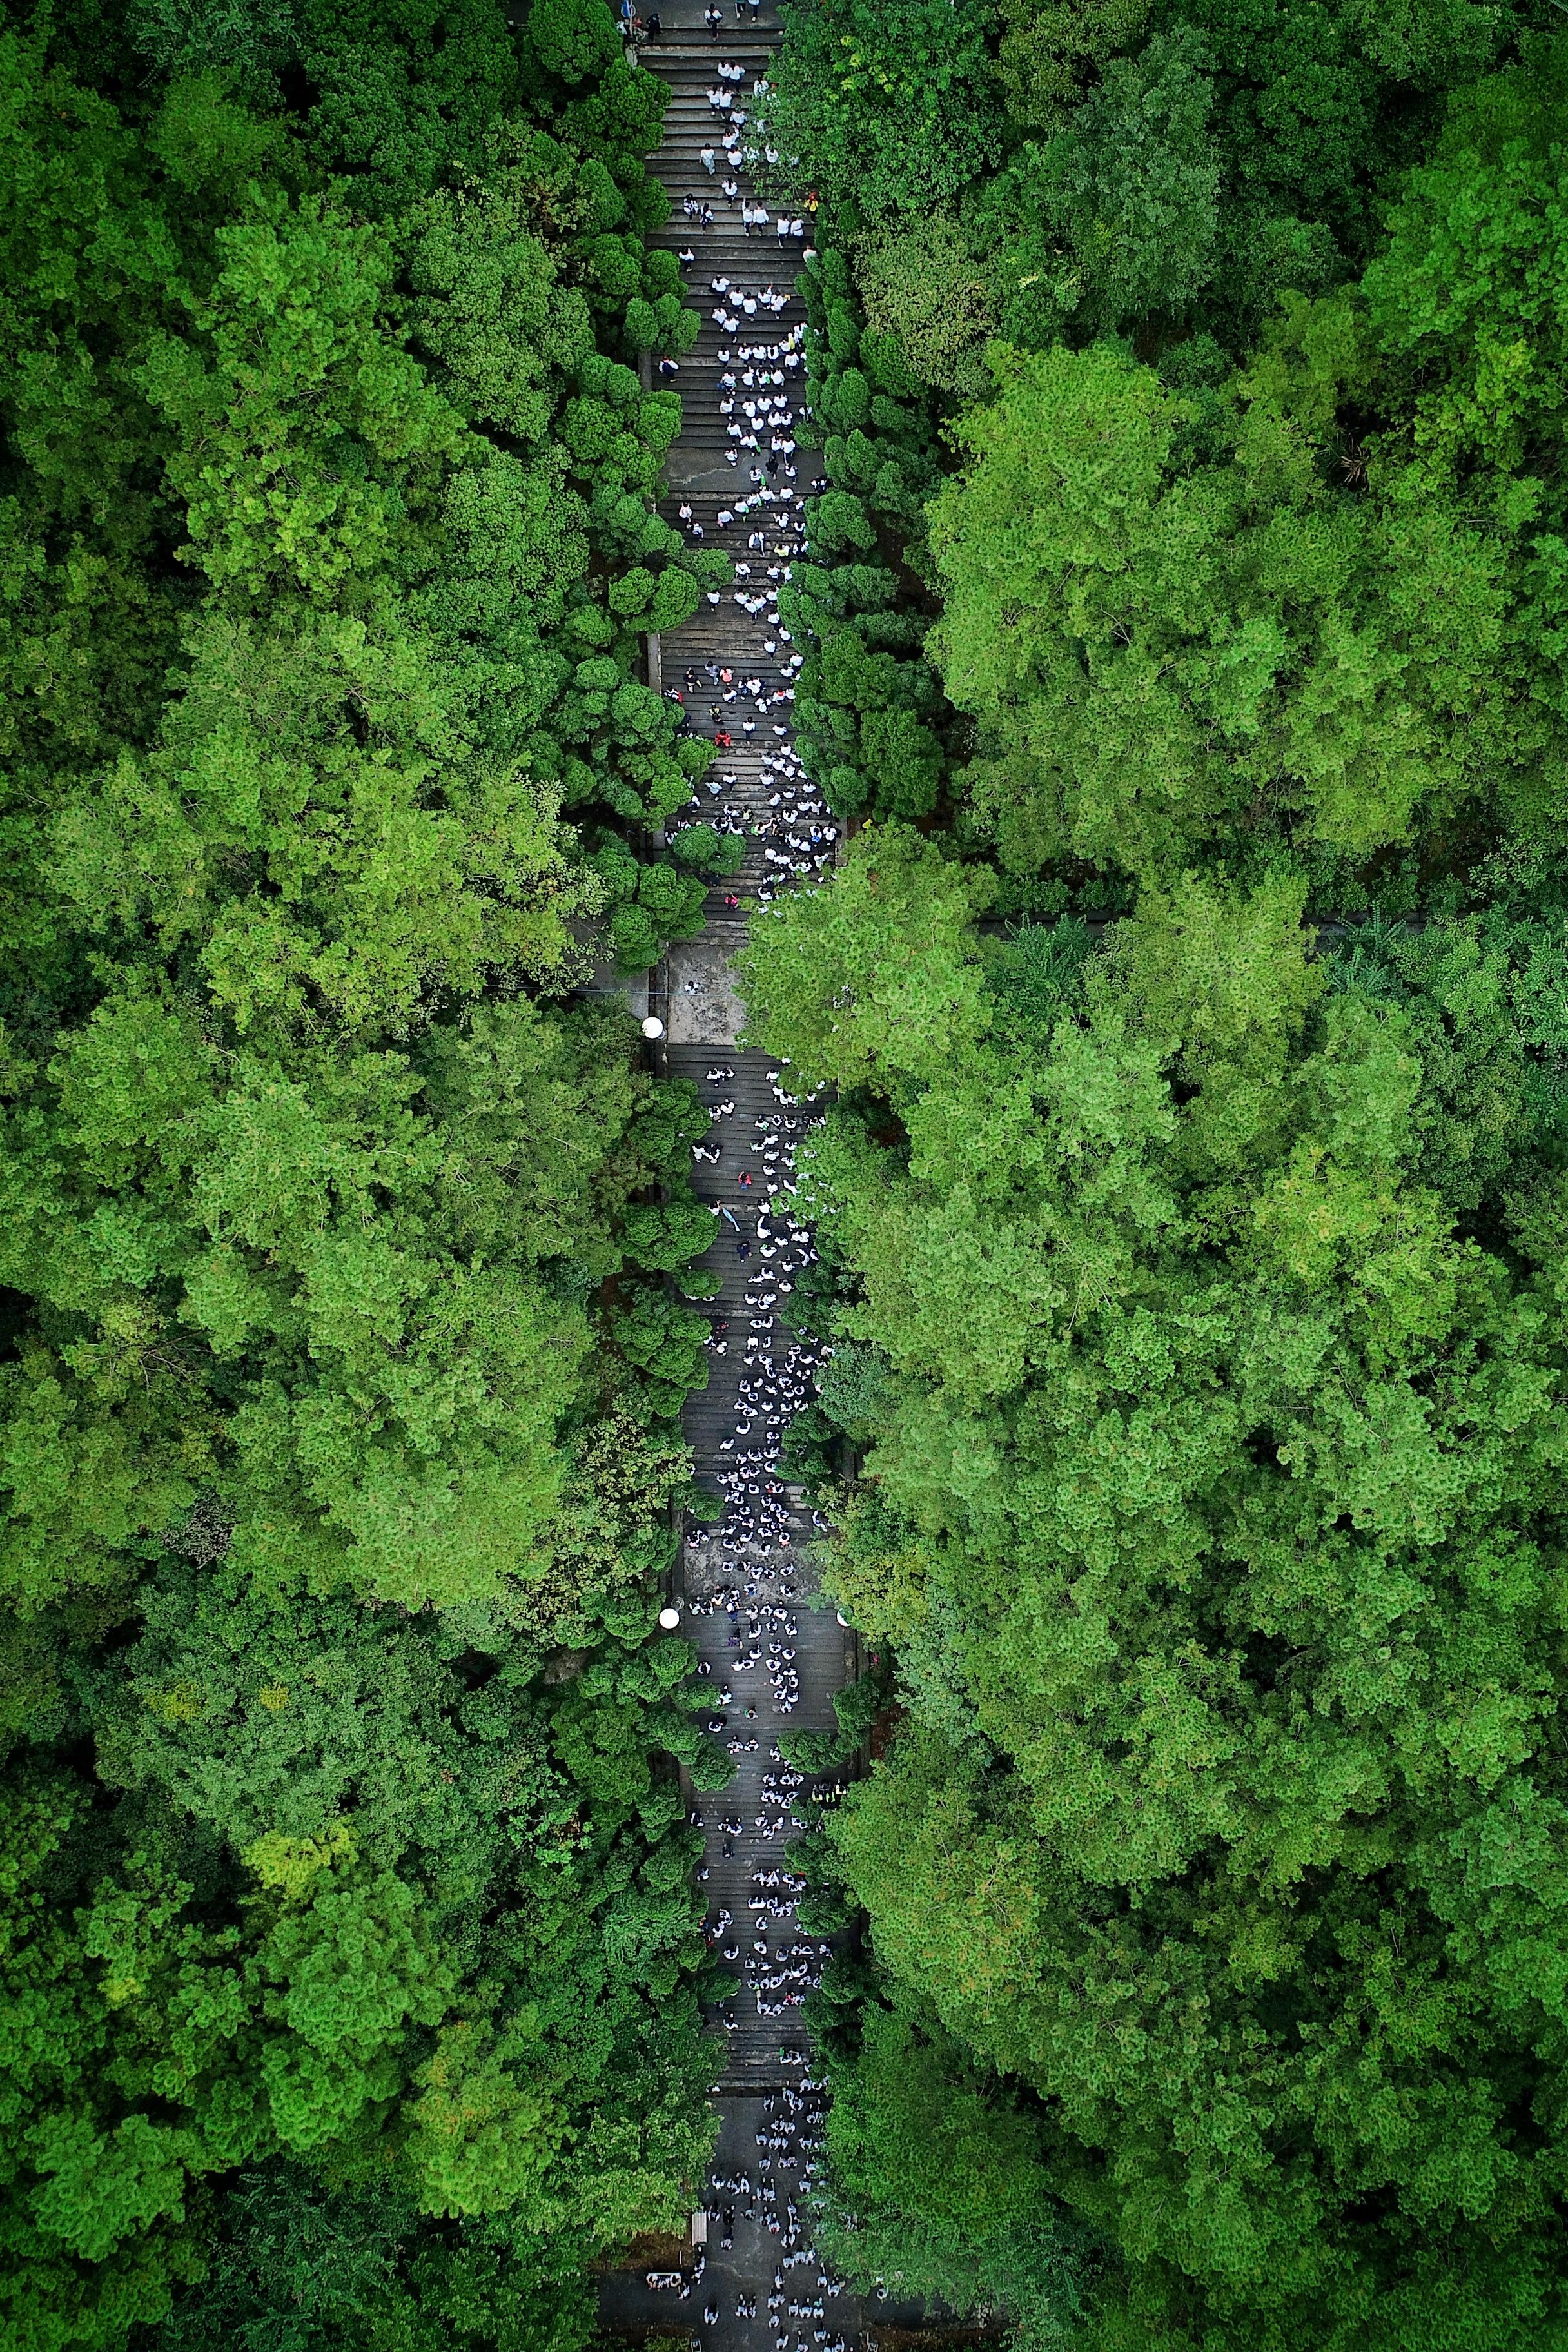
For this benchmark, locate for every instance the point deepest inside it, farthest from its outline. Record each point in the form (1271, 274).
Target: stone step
(699, 1001)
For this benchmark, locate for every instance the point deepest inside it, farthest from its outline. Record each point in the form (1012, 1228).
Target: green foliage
(930, 287)
(662, 1340)
(904, 758)
(849, 1388)
(1045, 55)
(378, 1217)
(709, 852)
(857, 1707)
(1123, 202)
(1168, 175)
(1465, 291)
(890, 930)
(814, 1751)
(1200, 648)
(1195, 1310)
(351, 1969)
(307, 2267)
(868, 703)
(227, 38)
(883, 109)
(1218, 1320)
(934, 2184)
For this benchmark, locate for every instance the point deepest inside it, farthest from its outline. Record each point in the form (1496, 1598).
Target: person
(713, 17)
(709, 158)
(654, 28)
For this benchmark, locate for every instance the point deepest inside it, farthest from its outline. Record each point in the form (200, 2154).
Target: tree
(1170, 652)
(1463, 289)
(1122, 203)
(889, 928)
(935, 2182)
(883, 110)
(1202, 1406)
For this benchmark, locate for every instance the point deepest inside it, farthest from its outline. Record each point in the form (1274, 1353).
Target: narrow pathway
(769, 1663)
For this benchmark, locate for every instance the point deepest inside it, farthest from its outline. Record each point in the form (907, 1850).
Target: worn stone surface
(704, 1007)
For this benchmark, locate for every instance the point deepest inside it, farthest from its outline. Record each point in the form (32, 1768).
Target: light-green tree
(1204, 1403)
(890, 932)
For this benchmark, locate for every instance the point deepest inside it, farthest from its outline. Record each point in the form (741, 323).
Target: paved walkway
(769, 1663)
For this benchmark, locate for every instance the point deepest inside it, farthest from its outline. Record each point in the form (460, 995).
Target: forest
(1184, 623)
(352, 1967)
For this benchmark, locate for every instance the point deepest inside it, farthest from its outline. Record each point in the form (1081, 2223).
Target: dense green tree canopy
(1182, 630)
(347, 1885)
(1194, 1290)
(1213, 1507)
(1169, 654)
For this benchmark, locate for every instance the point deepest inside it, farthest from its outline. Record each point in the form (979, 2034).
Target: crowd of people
(744, 1576)
(771, 2195)
(745, 1590)
(770, 1617)
(637, 29)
